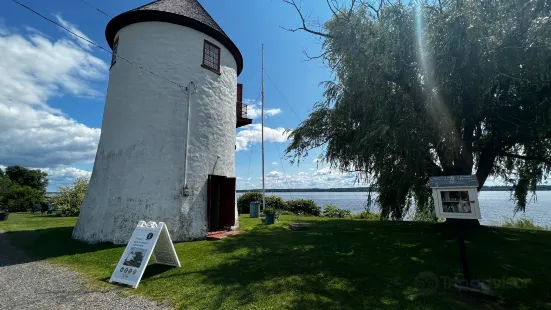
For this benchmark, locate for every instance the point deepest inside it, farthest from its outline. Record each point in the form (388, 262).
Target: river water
(495, 206)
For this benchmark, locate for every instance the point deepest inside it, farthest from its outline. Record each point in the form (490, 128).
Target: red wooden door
(227, 202)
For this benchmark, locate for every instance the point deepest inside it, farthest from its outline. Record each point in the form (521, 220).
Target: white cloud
(254, 110)
(316, 160)
(67, 173)
(323, 171)
(60, 176)
(35, 69)
(326, 179)
(274, 163)
(35, 138)
(74, 29)
(253, 134)
(274, 174)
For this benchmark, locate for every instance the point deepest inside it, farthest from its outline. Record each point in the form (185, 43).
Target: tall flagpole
(263, 188)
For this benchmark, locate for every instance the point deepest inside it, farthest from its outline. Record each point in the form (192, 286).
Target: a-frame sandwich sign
(148, 239)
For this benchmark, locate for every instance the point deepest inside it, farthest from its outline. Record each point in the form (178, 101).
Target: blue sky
(52, 98)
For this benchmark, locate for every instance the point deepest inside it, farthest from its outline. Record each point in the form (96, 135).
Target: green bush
(274, 211)
(21, 188)
(275, 202)
(523, 224)
(303, 206)
(36, 179)
(365, 215)
(21, 198)
(69, 199)
(335, 212)
(244, 201)
(5, 188)
(270, 210)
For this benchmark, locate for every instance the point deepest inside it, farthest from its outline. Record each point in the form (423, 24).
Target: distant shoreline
(365, 189)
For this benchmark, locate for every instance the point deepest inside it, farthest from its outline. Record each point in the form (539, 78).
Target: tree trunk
(485, 165)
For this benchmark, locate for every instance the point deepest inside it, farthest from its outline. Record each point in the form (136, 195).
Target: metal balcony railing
(241, 110)
(241, 114)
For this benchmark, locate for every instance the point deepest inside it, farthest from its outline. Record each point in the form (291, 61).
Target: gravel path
(40, 285)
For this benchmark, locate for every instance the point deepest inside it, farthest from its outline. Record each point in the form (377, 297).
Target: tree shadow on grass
(48, 243)
(376, 265)
(344, 264)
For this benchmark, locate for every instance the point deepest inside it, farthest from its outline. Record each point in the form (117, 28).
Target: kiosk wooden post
(456, 197)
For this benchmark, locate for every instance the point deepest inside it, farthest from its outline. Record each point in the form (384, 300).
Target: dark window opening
(220, 203)
(211, 57)
(115, 48)
(456, 201)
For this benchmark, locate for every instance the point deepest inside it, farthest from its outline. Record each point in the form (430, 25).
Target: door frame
(227, 198)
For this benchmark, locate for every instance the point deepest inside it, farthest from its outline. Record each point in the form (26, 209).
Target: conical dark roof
(189, 13)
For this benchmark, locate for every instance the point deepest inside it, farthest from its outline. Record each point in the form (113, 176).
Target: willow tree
(433, 88)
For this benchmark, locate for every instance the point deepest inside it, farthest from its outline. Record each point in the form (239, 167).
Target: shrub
(5, 186)
(275, 202)
(274, 211)
(69, 199)
(270, 210)
(36, 179)
(334, 211)
(21, 198)
(303, 206)
(522, 224)
(244, 201)
(366, 215)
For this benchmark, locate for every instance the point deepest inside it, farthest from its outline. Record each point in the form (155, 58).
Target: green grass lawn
(339, 264)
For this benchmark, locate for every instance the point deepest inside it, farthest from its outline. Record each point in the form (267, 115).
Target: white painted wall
(139, 168)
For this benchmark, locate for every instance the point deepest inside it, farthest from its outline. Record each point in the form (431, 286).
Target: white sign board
(148, 239)
(455, 197)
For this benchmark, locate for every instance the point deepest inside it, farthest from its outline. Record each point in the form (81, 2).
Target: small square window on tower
(115, 48)
(211, 57)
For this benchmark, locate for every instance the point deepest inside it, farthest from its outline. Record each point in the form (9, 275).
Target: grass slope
(339, 264)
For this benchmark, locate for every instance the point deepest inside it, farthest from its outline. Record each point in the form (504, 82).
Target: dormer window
(211, 57)
(115, 48)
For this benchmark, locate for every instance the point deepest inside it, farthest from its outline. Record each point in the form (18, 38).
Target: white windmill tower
(166, 151)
